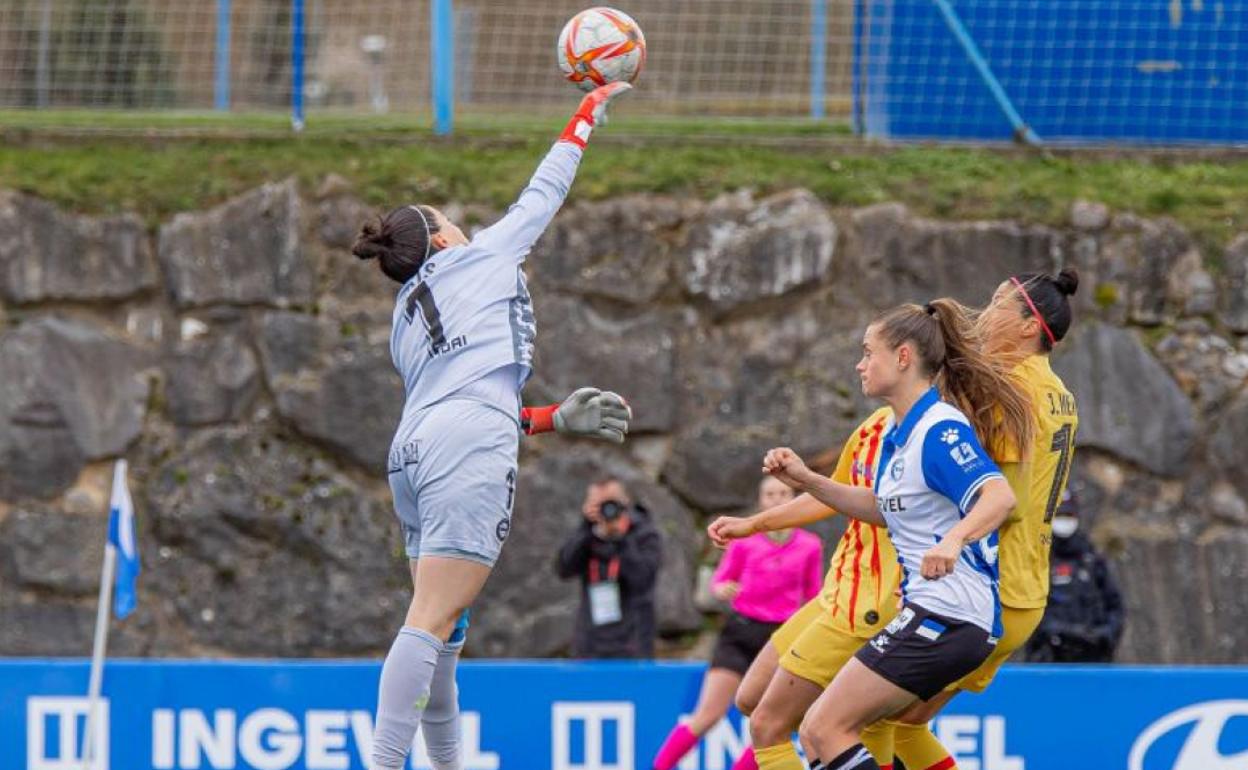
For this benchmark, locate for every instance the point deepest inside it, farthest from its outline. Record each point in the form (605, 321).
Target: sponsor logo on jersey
(964, 454)
(894, 504)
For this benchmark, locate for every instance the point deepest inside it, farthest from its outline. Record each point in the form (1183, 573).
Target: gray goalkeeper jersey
(468, 312)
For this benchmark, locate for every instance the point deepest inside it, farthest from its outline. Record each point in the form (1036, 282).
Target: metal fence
(1161, 71)
(712, 57)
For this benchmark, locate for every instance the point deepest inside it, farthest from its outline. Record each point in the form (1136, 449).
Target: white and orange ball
(600, 46)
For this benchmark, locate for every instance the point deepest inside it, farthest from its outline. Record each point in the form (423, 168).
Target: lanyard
(613, 570)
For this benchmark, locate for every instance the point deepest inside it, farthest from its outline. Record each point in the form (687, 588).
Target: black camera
(610, 510)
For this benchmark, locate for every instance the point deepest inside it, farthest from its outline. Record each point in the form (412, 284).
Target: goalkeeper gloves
(591, 113)
(588, 412)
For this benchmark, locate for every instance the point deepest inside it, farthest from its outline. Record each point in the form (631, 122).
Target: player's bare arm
(855, 502)
(990, 511)
(800, 511)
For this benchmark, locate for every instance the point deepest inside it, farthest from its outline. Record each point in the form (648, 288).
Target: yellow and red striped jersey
(1037, 478)
(858, 591)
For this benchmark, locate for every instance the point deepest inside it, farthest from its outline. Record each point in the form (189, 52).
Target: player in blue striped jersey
(462, 338)
(942, 499)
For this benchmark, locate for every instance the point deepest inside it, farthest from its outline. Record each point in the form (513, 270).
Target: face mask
(1065, 526)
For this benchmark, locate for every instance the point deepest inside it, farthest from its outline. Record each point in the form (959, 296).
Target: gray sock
(403, 695)
(440, 724)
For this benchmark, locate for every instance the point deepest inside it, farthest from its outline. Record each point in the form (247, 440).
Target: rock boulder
(908, 259)
(246, 251)
(46, 254)
(236, 512)
(1129, 404)
(744, 251)
(70, 393)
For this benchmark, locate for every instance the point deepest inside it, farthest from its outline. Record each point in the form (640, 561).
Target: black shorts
(923, 653)
(740, 642)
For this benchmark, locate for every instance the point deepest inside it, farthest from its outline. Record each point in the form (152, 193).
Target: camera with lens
(610, 510)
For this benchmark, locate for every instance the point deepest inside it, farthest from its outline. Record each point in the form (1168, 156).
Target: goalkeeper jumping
(462, 338)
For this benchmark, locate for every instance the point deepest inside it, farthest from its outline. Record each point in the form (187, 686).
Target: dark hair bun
(1067, 281)
(370, 243)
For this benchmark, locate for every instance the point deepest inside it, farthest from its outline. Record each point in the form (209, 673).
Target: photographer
(616, 553)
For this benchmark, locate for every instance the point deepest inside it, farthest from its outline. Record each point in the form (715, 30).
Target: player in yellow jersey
(1009, 329)
(857, 600)
(1029, 314)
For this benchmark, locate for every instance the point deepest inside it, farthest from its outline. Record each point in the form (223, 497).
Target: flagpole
(97, 654)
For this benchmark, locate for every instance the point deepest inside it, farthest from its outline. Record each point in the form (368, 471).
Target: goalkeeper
(462, 338)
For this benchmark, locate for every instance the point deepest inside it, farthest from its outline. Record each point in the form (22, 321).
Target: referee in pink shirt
(766, 578)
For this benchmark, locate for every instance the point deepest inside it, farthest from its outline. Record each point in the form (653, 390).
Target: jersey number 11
(1064, 445)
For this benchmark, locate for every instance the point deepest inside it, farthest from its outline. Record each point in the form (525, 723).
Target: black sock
(856, 757)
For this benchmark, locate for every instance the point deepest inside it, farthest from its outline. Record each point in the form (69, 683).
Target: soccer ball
(600, 46)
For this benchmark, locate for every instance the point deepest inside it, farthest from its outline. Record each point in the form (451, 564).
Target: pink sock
(746, 761)
(677, 745)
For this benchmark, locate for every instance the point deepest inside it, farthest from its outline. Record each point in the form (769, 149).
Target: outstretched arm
(855, 502)
(513, 236)
(798, 512)
(588, 412)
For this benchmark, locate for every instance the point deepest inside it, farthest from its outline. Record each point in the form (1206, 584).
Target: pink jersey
(775, 578)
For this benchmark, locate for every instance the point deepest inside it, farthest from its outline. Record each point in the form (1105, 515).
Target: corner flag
(121, 536)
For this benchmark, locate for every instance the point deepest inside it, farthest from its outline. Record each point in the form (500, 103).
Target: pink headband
(1027, 297)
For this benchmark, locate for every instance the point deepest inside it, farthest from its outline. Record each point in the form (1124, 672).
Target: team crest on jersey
(897, 469)
(950, 436)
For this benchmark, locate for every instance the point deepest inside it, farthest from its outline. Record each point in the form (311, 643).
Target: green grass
(489, 159)
(400, 127)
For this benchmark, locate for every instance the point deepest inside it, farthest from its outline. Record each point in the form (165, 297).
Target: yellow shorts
(784, 636)
(1018, 626)
(811, 647)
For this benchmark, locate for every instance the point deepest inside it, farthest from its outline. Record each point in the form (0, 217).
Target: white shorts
(453, 476)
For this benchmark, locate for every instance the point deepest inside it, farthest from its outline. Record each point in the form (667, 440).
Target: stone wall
(238, 358)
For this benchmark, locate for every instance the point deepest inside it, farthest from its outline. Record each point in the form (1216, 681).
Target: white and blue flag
(122, 537)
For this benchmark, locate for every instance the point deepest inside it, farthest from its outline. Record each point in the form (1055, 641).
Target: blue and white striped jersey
(931, 469)
(468, 311)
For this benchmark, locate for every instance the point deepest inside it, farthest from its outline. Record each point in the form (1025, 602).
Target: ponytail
(993, 399)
